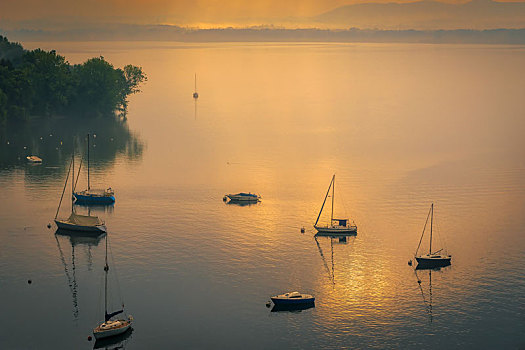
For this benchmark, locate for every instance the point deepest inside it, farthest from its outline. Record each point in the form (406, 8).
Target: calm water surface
(401, 125)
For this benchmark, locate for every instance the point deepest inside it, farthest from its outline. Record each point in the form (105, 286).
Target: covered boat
(77, 222)
(293, 298)
(244, 197)
(82, 223)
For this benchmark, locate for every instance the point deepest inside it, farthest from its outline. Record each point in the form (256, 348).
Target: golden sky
(197, 10)
(178, 12)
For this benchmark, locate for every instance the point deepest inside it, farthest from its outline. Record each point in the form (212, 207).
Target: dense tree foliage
(42, 83)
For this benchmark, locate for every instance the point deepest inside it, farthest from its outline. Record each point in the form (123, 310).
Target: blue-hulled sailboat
(94, 196)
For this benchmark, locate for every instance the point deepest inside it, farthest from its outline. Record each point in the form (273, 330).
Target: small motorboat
(34, 159)
(244, 197)
(293, 298)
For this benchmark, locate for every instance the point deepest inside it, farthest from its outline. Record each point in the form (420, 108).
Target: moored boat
(335, 226)
(293, 298)
(109, 327)
(94, 196)
(244, 197)
(82, 223)
(431, 259)
(34, 159)
(77, 222)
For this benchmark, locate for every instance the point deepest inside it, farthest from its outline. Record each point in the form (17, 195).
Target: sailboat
(432, 259)
(195, 93)
(94, 196)
(336, 226)
(77, 222)
(110, 327)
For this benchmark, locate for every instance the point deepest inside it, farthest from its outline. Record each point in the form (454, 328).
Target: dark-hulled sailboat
(432, 259)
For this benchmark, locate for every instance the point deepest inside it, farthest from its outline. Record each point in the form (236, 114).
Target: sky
(34, 14)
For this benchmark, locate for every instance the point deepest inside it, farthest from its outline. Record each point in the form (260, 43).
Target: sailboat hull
(104, 331)
(64, 225)
(432, 261)
(335, 230)
(94, 199)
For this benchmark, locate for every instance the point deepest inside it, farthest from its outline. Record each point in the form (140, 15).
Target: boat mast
(327, 192)
(333, 194)
(106, 269)
(431, 220)
(73, 176)
(88, 159)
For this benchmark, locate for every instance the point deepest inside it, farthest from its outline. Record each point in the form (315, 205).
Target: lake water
(401, 126)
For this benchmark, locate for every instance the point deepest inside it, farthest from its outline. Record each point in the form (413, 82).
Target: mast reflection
(75, 239)
(339, 239)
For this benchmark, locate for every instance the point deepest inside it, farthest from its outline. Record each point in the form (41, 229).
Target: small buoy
(41, 138)
(268, 303)
(29, 281)
(25, 147)
(60, 142)
(224, 198)
(94, 136)
(50, 135)
(409, 262)
(7, 142)
(302, 230)
(89, 338)
(419, 281)
(48, 225)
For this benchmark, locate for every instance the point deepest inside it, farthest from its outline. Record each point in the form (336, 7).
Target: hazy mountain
(268, 34)
(427, 14)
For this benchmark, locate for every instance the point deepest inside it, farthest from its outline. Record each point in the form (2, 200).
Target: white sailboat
(77, 222)
(110, 327)
(335, 226)
(195, 93)
(432, 259)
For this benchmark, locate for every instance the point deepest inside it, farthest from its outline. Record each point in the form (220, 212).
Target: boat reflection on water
(335, 239)
(76, 238)
(115, 342)
(292, 308)
(427, 299)
(242, 203)
(97, 208)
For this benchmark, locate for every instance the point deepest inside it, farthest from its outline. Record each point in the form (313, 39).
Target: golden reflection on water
(401, 125)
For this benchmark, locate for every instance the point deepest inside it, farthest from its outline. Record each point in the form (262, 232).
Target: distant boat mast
(195, 93)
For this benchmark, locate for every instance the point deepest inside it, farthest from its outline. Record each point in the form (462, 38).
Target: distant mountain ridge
(427, 15)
